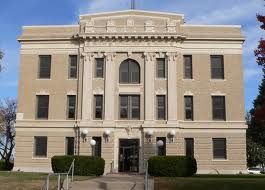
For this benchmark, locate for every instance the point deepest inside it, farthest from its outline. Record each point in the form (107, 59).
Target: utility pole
(132, 4)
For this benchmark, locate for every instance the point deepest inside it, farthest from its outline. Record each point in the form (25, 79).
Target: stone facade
(141, 36)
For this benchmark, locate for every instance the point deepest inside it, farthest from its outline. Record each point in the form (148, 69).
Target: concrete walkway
(113, 182)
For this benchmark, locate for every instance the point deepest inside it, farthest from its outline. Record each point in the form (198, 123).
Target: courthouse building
(117, 83)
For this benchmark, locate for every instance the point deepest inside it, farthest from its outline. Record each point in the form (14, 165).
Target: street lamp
(93, 143)
(149, 135)
(84, 134)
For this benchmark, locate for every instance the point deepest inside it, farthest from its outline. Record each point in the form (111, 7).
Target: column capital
(172, 56)
(110, 56)
(149, 56)
(88, 56)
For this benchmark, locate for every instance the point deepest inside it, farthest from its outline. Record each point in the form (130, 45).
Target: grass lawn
(212, 182)
(28, 181)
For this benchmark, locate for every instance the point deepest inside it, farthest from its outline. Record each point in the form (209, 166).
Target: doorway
(129, 155)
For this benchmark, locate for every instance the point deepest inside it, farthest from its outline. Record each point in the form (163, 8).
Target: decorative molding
(149, 56)
(130, 22)
(149, 26)
(110, 56)
(160, 91)
(42, 92)
(72, 92)
(111, 26)
(98, 90)
(88, 57)
(171, 26)
(89, 27)
(172, 56)
(19, 116)
(160, 55)
(188, 93)
(99, 55)
(217, 93)
(129, 54)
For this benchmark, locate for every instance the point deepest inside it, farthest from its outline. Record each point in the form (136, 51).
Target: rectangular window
(130, 107)
(189, 146)
(98, 106)
(69, 145)
(217, 66)
(219, 148)
(73, 66)
(218, 108)
(71, 99)
(188, 107)
(161, 107)
(99, 67)
(160, 68)
(44, 66)
(161, 150)
(97, 147)
(188, 67)
(40, 146)
(42, 106)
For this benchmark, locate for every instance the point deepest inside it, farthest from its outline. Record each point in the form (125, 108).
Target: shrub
(84, 165)
(172, 166)
(6, 167)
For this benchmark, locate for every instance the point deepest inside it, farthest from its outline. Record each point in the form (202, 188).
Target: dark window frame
(128, 65)
(69, 150)
(222, 154)
(188, 69)
(214, 109)
(40, 108)
(42, 67)
(189, 151)
(161, 107)
(188, 108)
(99, 69)
(44, 142)
(221, 74)
(130, 107)
(100, 107)
(73, 69)
(71, 108)
(160, 73)
(98, 146)
(162, 151)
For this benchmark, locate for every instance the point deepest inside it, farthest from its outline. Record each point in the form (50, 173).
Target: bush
(172, 166)
(84, 165)
(6, 167)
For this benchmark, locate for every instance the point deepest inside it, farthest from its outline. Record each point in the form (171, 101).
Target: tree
(1, 57)
(256, 121)
(7, 129)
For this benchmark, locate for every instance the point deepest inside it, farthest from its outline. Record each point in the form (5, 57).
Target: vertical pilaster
(110, 74)
(149, 87)
(87, 87)
(172, 87)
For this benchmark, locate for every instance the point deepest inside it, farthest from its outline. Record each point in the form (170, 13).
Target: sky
(16, 13)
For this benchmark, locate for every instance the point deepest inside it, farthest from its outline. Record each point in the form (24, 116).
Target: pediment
(131, 21)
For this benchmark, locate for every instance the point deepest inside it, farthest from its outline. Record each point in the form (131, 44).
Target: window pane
(70, 145)
(72, 66)
(135, 107)
(160, 68)
(40, 146)
(124, 107)
(99, 67)
(188, 107)
(129, 72)
(219, 148)
(71, 106)
(217, 67)
(42, 106)
(161, 151)
(218, 104)
(44, 66)
(124, 72)
(161, 107)
(189, 143)
(98, 107)
(97, 147)
(134, 72)
(188, 67)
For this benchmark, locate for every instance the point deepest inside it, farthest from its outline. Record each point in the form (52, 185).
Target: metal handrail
(146, 176)
(71, 169)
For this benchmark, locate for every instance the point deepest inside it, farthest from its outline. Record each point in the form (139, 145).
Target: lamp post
(93, 143)
(159, 144)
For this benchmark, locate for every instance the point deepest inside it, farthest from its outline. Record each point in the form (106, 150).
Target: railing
(59, 175)
(146, 176)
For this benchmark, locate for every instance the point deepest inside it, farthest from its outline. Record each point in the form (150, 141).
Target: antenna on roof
(132, 4)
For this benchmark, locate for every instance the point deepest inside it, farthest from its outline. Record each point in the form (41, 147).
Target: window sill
(43, 79)
(189, 80)
(41, 119)
(130, 84)
(217, 80)
(40, 158)
(71, 79)
(162, 79)
(98, 78)
(219, 159)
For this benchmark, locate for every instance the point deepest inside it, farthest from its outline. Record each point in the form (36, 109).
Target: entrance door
(129, 155)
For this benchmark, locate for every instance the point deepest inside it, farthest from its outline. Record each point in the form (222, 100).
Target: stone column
(110, 75)
(172, 87)
(149, 87)
(87, 110)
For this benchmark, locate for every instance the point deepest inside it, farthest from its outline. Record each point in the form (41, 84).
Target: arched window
(129, 72)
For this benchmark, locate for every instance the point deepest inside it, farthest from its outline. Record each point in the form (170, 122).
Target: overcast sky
(16, 13)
